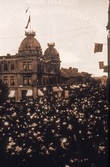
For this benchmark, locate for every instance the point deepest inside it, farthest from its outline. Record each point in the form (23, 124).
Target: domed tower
(30, 44)
(52, 65)
(51, 53)
(28, 62)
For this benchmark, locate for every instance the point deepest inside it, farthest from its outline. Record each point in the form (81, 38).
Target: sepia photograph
(54, 83)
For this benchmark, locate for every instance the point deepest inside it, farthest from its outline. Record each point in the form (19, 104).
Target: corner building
(29, 72)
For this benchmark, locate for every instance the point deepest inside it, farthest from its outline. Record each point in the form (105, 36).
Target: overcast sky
(74, 26)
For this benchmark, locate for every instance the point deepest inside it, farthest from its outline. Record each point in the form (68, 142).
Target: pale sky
(74, 26)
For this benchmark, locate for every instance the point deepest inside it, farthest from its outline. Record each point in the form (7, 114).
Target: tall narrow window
(12, 80)
(12, 65)
(0, 79)
(5, 80)
(24, 80)
(29, 66)
(24, 66)
(29, 80)
(5, 66)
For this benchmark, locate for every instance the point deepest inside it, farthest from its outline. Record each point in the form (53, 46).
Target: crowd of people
(72, 132)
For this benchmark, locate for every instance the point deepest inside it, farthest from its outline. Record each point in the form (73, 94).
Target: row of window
(27, 66)
(26, 80)
(5, 66)
(12, 80)
(52, 68)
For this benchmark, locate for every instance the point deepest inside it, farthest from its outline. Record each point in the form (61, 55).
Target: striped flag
(101, 65)
(28, 22)
(98, 47)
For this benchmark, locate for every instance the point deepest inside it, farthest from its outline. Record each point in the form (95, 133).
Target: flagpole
(108, 41)
(30, 23)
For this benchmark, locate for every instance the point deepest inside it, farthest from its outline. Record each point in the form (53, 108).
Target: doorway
(24, 94)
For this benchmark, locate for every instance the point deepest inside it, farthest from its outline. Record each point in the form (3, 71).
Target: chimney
(75, 69)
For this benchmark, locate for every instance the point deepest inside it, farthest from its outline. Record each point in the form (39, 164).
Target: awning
(60, 88)
(12, 93)
(57, 89)
(74, 86)
(29, 93)
(40, 93)
(83, 85)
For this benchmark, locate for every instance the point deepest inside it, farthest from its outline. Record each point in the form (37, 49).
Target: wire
(67, 30)
(52, 33)
(77, 35)
(64, 38)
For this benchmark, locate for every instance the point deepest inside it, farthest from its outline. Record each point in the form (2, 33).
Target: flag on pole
(28, 22)
(105, 69)
(98, 47)
(27, 9)
(101, 65)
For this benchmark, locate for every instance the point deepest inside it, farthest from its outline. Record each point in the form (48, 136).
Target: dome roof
(51, 52)
(30, 43)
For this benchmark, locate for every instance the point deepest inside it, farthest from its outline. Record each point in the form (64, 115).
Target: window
(29, 66)
(12, 65)
(44, 80)
(24, 66)
(12, 80)
(5, 80)
(5, 66)
(27, 80)
(0, 79)
(24, 80)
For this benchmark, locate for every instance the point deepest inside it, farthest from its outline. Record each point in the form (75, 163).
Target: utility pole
(108, 45)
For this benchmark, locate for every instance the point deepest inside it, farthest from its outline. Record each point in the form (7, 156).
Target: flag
(105, 69)
(98, 47)
(28, 22)
(101, 65)
(27, 9)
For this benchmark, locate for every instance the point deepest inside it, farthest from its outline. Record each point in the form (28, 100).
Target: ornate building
(29, 71)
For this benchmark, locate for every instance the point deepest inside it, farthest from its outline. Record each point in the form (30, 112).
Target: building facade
(30, 71)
